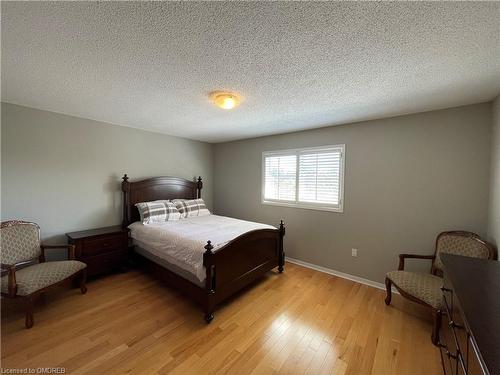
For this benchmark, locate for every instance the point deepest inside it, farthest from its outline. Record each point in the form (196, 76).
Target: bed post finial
(199, 186)
(126, 190)
(282, 228)
(209, 247)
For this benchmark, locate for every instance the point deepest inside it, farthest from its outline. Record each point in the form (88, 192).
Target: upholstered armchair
(425, 288)
(20, 246)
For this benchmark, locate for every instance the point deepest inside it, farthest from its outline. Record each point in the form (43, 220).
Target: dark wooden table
(473, 288)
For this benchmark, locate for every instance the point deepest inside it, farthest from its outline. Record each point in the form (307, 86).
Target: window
(307, 178)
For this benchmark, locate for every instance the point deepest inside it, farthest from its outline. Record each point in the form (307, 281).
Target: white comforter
(182, 242)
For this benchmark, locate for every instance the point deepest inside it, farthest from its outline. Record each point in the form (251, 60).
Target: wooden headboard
(155, 188)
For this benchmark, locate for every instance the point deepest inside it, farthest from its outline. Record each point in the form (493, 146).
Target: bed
(218, 256)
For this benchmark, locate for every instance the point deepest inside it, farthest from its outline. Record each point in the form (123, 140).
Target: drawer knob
(455, 325)
(450, 354)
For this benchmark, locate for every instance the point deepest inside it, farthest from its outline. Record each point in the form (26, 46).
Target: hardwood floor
(300, 322)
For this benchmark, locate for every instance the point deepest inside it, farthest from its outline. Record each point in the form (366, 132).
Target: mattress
(179, 245)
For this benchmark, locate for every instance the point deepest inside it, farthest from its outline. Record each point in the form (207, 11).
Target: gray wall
(494, 217)
(406, 179)
(64, 172)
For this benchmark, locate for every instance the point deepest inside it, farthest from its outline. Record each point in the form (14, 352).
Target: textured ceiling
(298, 65)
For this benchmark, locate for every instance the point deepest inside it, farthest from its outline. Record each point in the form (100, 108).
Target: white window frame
(297, 203)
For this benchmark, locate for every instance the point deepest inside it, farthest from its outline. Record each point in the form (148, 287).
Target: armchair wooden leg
(83, 279)
(388, 288)
(436, 315)
(30, 307)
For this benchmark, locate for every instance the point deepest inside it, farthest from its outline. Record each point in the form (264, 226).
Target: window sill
(304, 206)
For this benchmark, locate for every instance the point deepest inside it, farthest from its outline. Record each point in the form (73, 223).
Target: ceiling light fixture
(225, 100)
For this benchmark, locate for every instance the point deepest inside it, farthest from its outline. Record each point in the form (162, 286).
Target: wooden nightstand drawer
(101, 245)
(103, 263)
(103, 249)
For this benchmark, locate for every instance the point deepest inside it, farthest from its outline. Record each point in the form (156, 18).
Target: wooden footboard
(240, 262)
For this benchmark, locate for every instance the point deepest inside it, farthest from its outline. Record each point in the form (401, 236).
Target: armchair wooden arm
(11, 272)
(402, 258)
(71, 251)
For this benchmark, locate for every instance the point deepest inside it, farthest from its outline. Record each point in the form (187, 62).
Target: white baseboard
(343, 275)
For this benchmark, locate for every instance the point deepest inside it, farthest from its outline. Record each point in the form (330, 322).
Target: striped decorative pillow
(157, 212)
(191, 207)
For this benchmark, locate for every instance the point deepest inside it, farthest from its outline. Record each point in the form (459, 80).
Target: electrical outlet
(354, 252)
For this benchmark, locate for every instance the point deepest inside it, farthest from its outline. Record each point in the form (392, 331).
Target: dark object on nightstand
(103, 249)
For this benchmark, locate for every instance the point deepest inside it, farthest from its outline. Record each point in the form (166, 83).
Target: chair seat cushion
(423, 286)
(38, 276)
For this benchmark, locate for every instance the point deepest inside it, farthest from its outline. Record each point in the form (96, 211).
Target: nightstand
(102, 249)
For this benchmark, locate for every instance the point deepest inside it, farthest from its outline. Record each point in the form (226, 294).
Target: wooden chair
(425, 288)
(20, 246)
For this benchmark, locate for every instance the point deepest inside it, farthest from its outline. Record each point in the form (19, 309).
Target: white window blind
(309, 178)
(319, 177)
(280, 177)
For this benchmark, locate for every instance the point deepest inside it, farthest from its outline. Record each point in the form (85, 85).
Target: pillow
(191, 207)
(157, 212)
